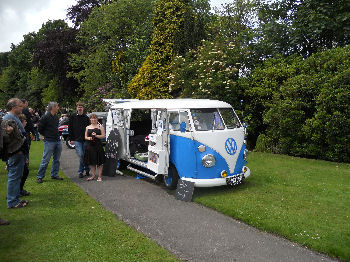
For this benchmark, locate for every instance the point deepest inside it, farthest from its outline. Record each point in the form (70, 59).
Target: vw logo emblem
(231, 146)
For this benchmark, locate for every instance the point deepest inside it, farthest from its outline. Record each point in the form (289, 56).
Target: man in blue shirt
(48, 128)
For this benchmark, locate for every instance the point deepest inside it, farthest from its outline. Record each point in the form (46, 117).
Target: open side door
(159, 146)
(117, 125)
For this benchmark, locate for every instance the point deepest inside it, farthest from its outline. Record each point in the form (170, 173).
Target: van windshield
(205, 119)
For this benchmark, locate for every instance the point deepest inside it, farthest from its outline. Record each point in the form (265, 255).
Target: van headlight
(208, 160)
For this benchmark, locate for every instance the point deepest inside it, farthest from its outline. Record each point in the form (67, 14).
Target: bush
(302, 107)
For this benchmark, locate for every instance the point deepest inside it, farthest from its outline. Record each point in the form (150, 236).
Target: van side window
(230, 118)
(176, 118)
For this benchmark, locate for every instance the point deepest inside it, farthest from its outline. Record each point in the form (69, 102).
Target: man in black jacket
(48, 128)
(76, 129)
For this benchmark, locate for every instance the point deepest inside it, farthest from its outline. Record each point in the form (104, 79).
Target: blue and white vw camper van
(197, 140)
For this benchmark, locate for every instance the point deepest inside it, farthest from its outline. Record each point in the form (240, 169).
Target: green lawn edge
(306, 201)
(63, 223)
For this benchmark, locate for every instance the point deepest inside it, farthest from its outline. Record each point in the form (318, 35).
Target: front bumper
(215, 181)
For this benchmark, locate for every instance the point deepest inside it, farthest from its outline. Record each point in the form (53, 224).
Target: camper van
(197, 140)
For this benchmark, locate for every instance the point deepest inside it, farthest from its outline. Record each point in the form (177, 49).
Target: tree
(116, 40)
(56, 44)
(81, 11)
(303, 27)
(152, 80)
(212, 70)
(301, 106)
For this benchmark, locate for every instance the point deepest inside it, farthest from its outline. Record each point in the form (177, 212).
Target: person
(24, 192)
(14, 107)
(95, 155)
(35, 120)
(76, 129)
(48, 128)
(14, 149)
(29, 128)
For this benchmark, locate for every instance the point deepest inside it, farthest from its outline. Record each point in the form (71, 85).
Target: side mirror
(245, 125)
(183, 127)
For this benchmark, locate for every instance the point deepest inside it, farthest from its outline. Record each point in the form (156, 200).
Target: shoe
(81, 175)
(91, 178)
(4, 222)
(20, 204)
(25, 193)
(39, 180)
(57, 178)
(99, 179)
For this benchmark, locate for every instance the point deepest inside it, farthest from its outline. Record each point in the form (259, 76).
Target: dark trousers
(24, 176)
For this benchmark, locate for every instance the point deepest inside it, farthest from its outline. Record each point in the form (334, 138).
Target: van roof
(171, 104)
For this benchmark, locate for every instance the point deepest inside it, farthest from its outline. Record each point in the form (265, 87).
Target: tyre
(170, 181)
(69, 144)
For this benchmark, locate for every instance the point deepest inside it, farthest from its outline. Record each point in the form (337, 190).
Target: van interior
(141, 124)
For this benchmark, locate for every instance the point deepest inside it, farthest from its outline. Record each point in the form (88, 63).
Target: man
(13, 138)
(14, 107)
(48, 128)
(76, 129)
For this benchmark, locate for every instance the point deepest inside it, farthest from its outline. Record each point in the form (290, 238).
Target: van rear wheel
(170, 181)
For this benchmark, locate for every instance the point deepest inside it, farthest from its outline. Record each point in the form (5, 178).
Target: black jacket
(76, 127)
(29, 127)
(48, 127)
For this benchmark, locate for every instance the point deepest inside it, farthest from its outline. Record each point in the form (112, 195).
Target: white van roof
(172, 104)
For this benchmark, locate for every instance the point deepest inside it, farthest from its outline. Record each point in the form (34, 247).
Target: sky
(20, 17)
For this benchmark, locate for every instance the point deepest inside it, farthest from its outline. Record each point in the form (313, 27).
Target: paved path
(188, 230)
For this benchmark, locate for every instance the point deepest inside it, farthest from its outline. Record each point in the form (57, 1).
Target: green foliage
(303, 27)
(56, 43)
(302, 106)
(152, 80)
(116, 39)
(51, 92)
(211, 71)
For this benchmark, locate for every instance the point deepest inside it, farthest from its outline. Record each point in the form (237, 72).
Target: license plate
(234, 180)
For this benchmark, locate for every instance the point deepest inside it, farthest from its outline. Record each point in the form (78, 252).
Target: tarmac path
(188, 230)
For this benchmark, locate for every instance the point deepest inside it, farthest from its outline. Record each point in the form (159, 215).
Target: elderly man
(48, 128)
(14, 107)
(15, 151)
(14, 148)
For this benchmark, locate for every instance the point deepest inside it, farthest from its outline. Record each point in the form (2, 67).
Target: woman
(94, 154)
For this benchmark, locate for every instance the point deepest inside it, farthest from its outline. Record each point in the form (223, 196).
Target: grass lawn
(62, 223)
(306, 201)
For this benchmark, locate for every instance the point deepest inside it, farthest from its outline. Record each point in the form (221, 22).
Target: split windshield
(205, 119)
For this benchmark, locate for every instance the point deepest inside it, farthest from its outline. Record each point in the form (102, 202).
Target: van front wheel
(170, 181)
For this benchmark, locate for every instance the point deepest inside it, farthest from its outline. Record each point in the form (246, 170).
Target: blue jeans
(50, 148)
(15, 166)
(80, 148)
